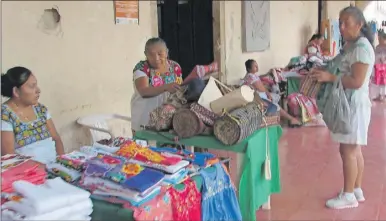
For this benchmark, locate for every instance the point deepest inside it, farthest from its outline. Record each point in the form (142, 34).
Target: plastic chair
(98, 126)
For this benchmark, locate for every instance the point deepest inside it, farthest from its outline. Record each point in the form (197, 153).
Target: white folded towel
(52, 195)
(17, 211)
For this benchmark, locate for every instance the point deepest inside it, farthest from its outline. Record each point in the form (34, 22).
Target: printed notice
(126, 12)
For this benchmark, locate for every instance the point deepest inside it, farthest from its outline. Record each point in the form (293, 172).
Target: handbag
(309, 87)
(161, 118)
(237, 125)
(337, 112)
(187, 124)
(207, 116)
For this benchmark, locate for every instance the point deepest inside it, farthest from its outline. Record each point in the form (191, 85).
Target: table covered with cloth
(251, 178)
(103, 210)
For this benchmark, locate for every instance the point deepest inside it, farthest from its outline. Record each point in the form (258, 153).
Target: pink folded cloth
(16, 168)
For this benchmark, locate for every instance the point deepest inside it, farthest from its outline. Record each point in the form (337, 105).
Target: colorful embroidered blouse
(26, 133)
(141, 107)
(186, 203)
(145, 154)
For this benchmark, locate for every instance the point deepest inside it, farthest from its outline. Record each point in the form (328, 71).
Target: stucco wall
(88, 70)
(292, 24)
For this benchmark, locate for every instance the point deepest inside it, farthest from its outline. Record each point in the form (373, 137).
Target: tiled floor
(311, 172)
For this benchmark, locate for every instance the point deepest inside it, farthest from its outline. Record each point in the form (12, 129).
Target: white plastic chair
(98, 125)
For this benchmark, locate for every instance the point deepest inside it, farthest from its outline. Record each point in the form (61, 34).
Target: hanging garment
(219, 201)
(186, 203)
(158, 208)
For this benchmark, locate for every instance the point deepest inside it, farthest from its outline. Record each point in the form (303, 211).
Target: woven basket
(270, 120)
(234, 127)
(161, 117)
(207, 116)
(186, 123)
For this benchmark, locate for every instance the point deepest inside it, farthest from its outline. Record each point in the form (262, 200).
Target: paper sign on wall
(126, 12)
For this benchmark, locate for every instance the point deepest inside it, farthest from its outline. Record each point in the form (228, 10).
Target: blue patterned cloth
(219, 201)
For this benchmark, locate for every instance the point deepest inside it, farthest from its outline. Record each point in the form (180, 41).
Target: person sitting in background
(313, 50)
(155, 78)
(380, 58)
(26, 125)
(314, 45)
(252, 79)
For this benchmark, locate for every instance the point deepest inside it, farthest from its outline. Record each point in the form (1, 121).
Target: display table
(254, 190)
(108, 211)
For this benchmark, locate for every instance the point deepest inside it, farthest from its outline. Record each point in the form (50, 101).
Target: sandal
(295, 125)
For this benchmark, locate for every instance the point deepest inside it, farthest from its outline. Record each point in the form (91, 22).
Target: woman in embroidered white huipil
(26, 125)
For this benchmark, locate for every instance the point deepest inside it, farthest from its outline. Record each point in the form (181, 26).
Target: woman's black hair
(360, 18)
(14, 77)
(248, 64)
(314, 37)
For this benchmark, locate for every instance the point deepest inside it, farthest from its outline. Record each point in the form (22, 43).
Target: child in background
(380, 58)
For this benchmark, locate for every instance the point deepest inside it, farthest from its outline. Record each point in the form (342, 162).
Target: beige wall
(292, 24)
(334, 7)
(88, 70)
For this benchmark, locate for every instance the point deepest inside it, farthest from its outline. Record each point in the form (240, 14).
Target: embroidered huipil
(141, 107)
(219, 201)
(31, 138)
(186, 203)
(158, 209)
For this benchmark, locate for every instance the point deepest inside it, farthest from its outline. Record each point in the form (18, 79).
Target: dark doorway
(187, 28)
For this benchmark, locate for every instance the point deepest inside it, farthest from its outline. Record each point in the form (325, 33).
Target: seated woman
(155, 78)
(313, 50)
(252, 79)
(26, 125)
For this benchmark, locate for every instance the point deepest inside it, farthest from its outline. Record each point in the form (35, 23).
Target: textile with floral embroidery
(158, 208)
(186, 203)
(157, 79)
(219, 201)
(27, 132)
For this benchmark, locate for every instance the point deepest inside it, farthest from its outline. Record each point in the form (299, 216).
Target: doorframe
(219, 49)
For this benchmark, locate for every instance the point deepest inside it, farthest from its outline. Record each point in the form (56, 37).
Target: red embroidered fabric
(158, 208)
(186, 204)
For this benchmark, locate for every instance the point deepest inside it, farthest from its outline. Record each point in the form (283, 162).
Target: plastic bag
(337, 112)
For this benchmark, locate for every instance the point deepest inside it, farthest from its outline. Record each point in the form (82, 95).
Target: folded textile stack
(202, 159)
(98, 149)
(69, 166)
(53, 200)
(167, 162)
(130, 181)
(16, 167)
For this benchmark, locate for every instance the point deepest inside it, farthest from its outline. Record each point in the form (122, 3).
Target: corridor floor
(311, 173)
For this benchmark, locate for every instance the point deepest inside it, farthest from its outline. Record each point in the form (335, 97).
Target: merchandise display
(53, 200)
(16, 167)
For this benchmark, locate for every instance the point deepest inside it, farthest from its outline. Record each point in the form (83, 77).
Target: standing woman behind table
(155, 78)
(356, 66)
(26, 125)
(380, 58)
